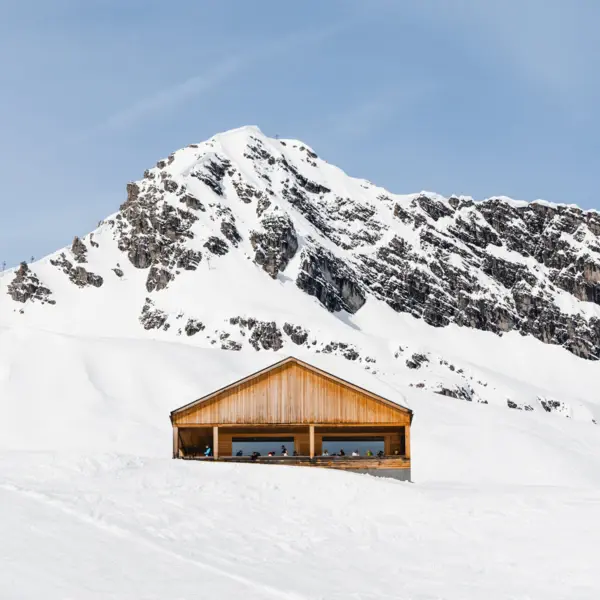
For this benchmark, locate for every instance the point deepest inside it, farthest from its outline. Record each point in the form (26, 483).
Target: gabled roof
(285, 361)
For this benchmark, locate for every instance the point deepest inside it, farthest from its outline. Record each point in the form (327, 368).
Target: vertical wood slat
(175, 442)
(293, 394)
(216, 442)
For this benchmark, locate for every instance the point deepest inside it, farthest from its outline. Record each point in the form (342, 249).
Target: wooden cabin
(296, 405)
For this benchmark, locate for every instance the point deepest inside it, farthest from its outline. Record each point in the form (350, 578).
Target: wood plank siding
(291, 393)
(292, 400)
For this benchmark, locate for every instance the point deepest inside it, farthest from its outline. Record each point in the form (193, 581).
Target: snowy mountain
(247, 242)
(483, 317)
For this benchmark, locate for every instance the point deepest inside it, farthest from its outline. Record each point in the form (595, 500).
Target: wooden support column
(407, 441)
(216, 441)
(175, 442)
(311, 436)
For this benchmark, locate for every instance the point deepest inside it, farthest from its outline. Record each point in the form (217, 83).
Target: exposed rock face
(211, 171)
(26, 287)
(516, 406)
(297, 334)
(554, 406)
(264, 335)
(229, 230)
(458, 392)
(77, 274)
(79, 250)
(193, 326)
(192, 202)
(348, 351)
(153, 233)
(496, 265)
(416, 361)
(158, 279)
(231, 345)
(326, 277)
(153, 318)
(215, 245)
(455, 275)
(275, 245)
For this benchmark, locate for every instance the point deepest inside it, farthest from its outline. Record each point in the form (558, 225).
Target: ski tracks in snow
(117, 530)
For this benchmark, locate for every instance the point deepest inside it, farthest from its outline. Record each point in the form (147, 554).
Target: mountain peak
(246, 240)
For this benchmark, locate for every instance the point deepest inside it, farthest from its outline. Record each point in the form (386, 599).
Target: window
(333, 445)
(262, 445)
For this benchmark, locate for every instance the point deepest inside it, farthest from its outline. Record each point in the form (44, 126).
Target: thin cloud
(174, 95)
(212, 79)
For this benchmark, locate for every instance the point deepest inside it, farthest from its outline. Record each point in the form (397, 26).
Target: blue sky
(469, 97)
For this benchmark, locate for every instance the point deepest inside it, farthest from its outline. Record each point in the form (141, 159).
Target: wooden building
(296, 403)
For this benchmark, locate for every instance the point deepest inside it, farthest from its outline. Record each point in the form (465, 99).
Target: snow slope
(504, 503)
(129, 528)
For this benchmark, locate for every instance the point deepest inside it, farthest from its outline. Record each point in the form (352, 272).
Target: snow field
(504, 503)
(122, 527)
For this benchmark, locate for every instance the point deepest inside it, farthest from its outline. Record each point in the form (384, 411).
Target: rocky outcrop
(79, 250)
(262, 205)
(266, 336)
(247, 193)
(514, 405)
(211, 171)
(26, 287)
(275, 245)
(230, 345)
(192, 202)
(77, 274)
(458, 392)
(330, 280)
(229, 231)
(555, 406)
(158, 279)
(416, 361)
(263, 335)
(153, 318)
(454, 274)
(348, 351)
(296, 333)
(153, 233)
(215, 245)
(193, 326)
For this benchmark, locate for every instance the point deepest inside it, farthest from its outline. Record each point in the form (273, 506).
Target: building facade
(295, 405)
